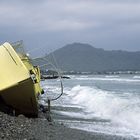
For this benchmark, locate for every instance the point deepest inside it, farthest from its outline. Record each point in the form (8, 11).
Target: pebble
(21, 127)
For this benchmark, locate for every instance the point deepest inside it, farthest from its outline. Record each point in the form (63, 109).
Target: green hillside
(84, 57)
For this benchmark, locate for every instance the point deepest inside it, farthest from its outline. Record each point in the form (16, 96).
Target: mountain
(86, 58)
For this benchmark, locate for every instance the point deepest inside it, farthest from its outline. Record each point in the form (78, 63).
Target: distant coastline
(90, 72)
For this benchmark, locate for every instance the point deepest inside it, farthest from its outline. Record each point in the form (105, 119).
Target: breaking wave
(123, 111)
(136, 77)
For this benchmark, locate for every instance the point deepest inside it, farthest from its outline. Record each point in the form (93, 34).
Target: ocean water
(106, 104)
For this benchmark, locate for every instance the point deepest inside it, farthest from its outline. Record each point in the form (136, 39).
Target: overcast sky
(51, 24)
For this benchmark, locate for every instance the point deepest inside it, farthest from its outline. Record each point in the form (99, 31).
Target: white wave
(136, 77)
(122, 112)
(112, 76)
(109, 79)
(84, 76)
(72, 76)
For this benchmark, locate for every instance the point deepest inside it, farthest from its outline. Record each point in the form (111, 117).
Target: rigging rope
(59, 75)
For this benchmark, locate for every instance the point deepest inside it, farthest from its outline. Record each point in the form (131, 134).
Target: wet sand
(23, 128)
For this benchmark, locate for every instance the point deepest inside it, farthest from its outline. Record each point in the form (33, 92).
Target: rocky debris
(13, 127)
(20, 127)
(23, 128)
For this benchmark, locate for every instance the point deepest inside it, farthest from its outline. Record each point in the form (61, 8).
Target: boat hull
(20, 83)
(21, 98)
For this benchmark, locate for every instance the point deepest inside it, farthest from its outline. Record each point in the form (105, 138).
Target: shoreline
(23, 128)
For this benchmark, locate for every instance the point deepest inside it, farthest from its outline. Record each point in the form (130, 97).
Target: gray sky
(51, 24)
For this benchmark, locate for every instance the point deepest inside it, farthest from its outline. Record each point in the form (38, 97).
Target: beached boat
(20, 82)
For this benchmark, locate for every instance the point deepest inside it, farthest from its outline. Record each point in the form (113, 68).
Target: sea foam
(122, 111)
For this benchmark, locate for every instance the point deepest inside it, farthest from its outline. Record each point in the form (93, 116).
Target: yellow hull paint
(18, 90)
(35, 70)
(21, 98)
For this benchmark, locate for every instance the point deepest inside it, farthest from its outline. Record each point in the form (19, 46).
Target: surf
(121, 111)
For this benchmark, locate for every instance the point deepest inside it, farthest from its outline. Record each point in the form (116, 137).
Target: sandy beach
(23, 128)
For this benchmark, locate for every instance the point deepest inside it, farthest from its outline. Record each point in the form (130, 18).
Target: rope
(59, 75)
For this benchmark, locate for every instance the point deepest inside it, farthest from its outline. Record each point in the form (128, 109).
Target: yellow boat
(20, 82)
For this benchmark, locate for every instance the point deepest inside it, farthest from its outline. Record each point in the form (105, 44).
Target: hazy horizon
(47, 25)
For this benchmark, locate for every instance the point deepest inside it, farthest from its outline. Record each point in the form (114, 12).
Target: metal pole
(49, 105)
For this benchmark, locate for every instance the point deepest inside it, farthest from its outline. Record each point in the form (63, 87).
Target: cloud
(92, 21)
(67, 15)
